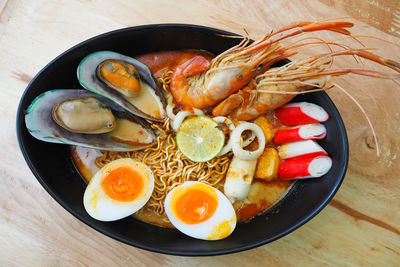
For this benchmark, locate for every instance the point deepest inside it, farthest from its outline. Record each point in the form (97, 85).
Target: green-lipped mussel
(124, 80)
(86, 121)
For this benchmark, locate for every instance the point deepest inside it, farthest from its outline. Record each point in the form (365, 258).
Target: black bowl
(53, 167)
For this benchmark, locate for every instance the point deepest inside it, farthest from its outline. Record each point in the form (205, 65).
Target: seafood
(299, 113)
(116, 77)
(129, 133)
(199, 83)
(278, 86)
(239, 178)
(98, 117)
(301, 149)
(302, 168)
(299, 133)
(120, 76)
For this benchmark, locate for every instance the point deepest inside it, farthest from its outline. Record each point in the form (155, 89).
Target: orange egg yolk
(121, 75)
(123, 184)
(195, 205)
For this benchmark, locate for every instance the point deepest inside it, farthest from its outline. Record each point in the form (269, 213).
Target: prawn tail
(228, 105)
(195, 65)
(235, 101)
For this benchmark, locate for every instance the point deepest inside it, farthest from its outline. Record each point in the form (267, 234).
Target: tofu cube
(267, 165)
(267, 126)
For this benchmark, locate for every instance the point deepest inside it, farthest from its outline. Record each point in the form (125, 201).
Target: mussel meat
(84, 115)
(120, 76)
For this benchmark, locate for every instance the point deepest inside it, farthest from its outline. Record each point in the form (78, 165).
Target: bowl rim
(21, 112)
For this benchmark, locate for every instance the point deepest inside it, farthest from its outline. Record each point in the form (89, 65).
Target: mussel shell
(39, 122)
(87, 76)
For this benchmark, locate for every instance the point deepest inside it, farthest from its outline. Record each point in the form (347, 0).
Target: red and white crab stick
(299, 133)
(299, 113)
(301, 149)
(309, 167)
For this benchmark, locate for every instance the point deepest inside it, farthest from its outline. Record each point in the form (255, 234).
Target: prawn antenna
(365, 114)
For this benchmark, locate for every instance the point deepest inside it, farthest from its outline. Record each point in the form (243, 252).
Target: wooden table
(360, 226)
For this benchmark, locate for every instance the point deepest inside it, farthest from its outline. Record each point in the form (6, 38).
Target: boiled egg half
(200, 211)
(118, 190)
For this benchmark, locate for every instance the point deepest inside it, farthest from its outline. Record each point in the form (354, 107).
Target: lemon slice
(199, 139)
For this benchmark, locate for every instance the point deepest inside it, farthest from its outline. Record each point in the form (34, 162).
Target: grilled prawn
(199, 83)
(278, 86)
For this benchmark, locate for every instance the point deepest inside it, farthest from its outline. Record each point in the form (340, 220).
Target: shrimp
(278, 86)
(199, 83)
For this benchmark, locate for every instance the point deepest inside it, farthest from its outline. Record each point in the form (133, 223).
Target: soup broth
(262, 194)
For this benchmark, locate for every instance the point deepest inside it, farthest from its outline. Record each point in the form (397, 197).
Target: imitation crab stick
(301, 149)
(298, 133)
(301, 168)
(301, 113)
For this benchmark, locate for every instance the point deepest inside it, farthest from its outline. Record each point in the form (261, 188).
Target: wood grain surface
(360, 226)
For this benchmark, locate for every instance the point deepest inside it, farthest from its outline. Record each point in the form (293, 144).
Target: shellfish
(97, 118)
(124, 80)
(129, 133)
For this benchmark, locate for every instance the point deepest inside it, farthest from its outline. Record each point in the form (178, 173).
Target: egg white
(101, 207)
(224, 217)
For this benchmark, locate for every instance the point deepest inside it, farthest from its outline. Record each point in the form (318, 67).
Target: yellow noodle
(170, 167)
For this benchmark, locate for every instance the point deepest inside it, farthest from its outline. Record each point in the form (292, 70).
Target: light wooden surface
(360, 226)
